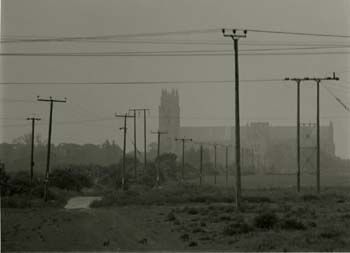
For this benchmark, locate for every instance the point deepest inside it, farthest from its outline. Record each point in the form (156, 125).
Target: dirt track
(123, 228)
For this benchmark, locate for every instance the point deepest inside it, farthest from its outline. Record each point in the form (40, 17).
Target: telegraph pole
(33, 119)
(125, 116)
(215, 145)
(201, 165)
(226, 162)
(51, 100)
(318, 81)
(298, 81)
(183, 140)
(144, 110)
(235, 37)
(159, 133)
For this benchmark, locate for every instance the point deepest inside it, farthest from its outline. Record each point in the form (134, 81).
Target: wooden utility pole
(51, 101)
(183, 140)
(318, 81)
(201, 165)
(159, 133)
(144, 110)
(33, 119)
(215, 146)
(234, 36)
(298, 81)
(125, 116)
(226, 162)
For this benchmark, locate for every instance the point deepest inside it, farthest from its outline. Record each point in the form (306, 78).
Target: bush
(4, 177)
(15, 202)
(309, 197)
(69, 179)
(171, 216)
(56, 197)
(292, 224)
(238, 227)
(19, 184)
(192, 211)
(266, 220)
(256, 199)
(330, 233)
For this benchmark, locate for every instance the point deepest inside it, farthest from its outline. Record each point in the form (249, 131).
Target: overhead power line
(165, 82)
(130, 35)
(166, 53)
(297, 33)
(337, 99)
(159, 34)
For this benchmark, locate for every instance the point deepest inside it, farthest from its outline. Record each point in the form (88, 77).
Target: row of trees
(281, 158)
(16, 155)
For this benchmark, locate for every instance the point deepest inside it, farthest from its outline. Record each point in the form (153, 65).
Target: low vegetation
(168, 194)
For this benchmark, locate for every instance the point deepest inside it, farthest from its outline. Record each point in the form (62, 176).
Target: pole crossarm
(183, 139)
(50, 99)
(33, 118)
(159, 132)
(234, 33)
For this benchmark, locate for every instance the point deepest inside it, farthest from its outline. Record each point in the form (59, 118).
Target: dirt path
(80, 202)
(107, 229)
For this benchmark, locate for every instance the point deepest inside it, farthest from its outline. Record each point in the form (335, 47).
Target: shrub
(265, 220)
(4, 177)
(192, 211)
(238, 227)
(15, 202)
(257, 199)
(185, 237)
(292, 224)
(309, 197)
(171, 216)
(69, 179)
(19, 183)
(330, 233)
(225, 217)
(193, 244)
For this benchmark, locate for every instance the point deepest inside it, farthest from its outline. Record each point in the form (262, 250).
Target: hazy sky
(201, 104)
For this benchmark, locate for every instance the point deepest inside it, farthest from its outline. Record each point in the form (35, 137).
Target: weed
(292, 224)
(193, 244)
(239, 227)
(198, 230)
(192, 211)
(310, 197)
(257, 199)
(171, 216)
(224, 217)
(185, 237)
(265, 220)
(330, 233)
(205, 238)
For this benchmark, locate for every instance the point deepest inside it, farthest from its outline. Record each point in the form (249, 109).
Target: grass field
(187, 217)
(279, 181)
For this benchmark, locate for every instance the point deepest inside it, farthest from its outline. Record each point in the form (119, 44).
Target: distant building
(262, 145)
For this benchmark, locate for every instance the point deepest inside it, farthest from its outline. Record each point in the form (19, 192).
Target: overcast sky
(201, 104)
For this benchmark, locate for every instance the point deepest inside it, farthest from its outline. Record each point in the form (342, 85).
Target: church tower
(169, 119)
